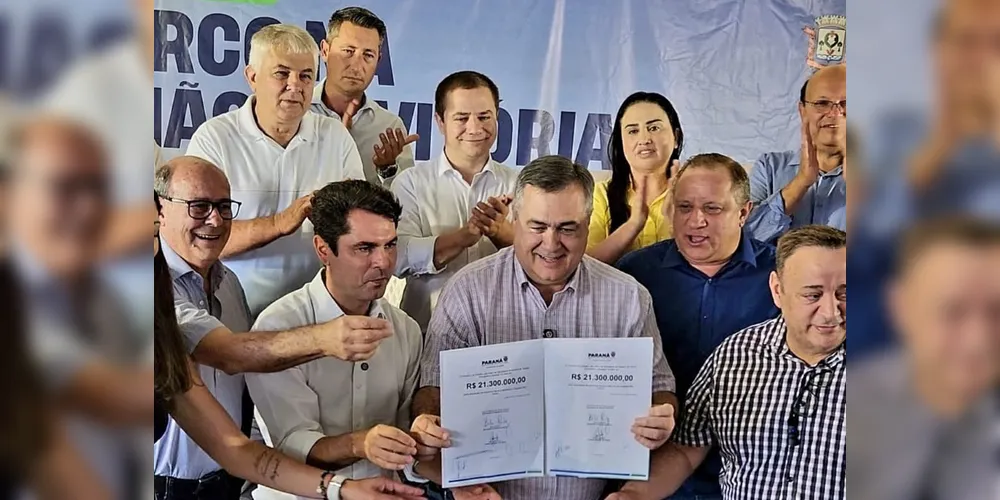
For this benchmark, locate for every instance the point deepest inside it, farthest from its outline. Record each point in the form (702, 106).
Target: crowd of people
(282, 370)
(740, 280)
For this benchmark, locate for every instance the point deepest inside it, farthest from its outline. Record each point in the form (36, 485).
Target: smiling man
(275, 153)
(796, 188)
(773, 397)
(196, 217)
(455, 206)
(543, 287)
(708, 282)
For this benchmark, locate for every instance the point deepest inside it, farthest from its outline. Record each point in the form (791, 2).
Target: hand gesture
(477, 492)
(667, 208)
(389, 447)
(490, 216)
(624, 495)
(429, 435)
(654, 430)
(639, 204)
(352, 338)
(379, 488)
(290, 219)
(809, 163)
(393, 142)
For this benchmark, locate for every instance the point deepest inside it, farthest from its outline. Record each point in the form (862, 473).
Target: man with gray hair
(275, 153)
(196, 218)
(352, 50)
(542, 287)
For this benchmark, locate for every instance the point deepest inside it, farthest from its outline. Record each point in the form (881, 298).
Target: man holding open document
(519, 309)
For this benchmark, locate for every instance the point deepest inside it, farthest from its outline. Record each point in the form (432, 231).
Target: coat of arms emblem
(827, 41)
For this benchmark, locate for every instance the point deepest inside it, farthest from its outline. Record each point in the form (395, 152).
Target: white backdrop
(732, 68)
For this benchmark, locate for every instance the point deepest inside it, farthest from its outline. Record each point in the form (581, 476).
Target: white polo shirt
(369, 121)
(267, 178)
(328, 396)
(436, 200)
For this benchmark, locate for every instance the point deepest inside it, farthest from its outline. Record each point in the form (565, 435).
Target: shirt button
(201, 302)
(549, 333)
(364, 366)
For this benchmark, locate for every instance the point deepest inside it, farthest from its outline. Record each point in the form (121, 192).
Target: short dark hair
(332, 204)
(554, 173)
(463, 80)
(957, 230)
(358, 16)
(813, 235)
(716, 161)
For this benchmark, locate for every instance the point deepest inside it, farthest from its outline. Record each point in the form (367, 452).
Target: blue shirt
(695, 313)
(175, 454)
(825, 202)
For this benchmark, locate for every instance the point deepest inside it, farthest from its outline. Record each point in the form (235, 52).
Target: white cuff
(412, 476)
(418, 257)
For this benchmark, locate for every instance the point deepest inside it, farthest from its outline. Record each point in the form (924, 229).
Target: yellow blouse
(657, 227)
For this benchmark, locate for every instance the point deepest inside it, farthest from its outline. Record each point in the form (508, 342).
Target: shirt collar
(797, 160)
(248, 124)
(745, 252)
(777, 341)
(179, 268)
(444, 166)
(367, 105)
(326, 309)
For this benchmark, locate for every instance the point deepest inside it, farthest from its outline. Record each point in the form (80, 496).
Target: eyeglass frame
(214, 205)
(822, 102)
(806, 389)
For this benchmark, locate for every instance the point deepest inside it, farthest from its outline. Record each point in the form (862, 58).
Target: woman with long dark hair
(629, 209)
(180, 392)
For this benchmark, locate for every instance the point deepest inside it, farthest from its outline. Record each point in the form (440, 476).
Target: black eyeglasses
(202, 209)
(825, 106)
(800, 408)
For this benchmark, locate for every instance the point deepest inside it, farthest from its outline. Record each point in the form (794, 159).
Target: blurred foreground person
(35, 453)
(923, 419)
(941, 159)
(56, 210)
(181, 393)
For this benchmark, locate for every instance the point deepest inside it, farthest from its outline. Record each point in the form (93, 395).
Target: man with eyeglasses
(195, 215)
(772, 397)
(791, 189)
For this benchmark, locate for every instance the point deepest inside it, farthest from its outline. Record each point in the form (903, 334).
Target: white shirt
(436, 200)
(369, 121)
(328, 396)
(267, 178)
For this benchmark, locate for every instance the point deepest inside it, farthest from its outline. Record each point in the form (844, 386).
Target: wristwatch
(387, 171)
(333, 489)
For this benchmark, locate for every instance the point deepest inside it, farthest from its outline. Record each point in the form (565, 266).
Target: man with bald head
(790, 189)
(196, 217)
(56, 212)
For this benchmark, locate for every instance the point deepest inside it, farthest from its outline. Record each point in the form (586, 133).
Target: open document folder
(556, 407)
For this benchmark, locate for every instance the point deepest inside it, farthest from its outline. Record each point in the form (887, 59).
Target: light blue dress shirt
(176, 455)
(825, 202)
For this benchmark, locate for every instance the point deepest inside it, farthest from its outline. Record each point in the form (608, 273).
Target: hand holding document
(492, 403)
(565, 407)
